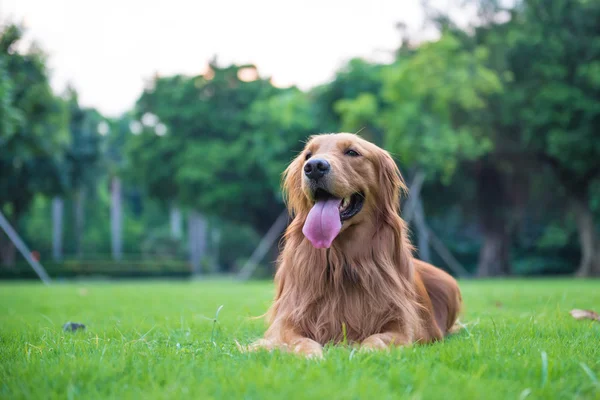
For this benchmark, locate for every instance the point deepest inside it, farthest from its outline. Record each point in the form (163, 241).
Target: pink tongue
(323, 223)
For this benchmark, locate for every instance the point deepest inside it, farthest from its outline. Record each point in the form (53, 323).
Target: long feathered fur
(367, 282)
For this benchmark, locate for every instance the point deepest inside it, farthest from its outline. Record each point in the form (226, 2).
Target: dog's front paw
(308, 348)
(384, 341)
(260, 344)
(373, 343)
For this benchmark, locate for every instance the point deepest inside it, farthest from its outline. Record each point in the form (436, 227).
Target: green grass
(158, 340)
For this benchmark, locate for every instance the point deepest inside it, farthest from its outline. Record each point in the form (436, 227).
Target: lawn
(158, 340)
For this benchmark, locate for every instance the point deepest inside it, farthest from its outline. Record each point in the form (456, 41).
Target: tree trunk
(116, 219)
(7, 251)
(197, 240)
(215, 245)
(589, 242)
(57, 228)
(493, 207)
(588, 238)
(175, 222)
(494, 255)
(79, 221)
(194, 263)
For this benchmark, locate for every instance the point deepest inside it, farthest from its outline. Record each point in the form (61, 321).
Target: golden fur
(366, 288)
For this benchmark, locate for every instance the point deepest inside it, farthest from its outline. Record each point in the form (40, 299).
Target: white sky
(106, 49)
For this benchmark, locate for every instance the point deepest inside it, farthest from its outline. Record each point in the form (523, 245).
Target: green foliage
(280, 124)
(84, 153)
(33, 122)
(156, 340)
(349, 103)
(227, 142)
(510, 98)
(160, 244)
(554, 236)
(436, 98)
(357, 112)
(236, 245)
(9, 115)
(559, 84)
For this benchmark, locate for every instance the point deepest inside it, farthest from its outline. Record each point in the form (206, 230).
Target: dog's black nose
(315, 168)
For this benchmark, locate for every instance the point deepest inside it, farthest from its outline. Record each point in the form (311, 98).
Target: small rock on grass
(73, 326)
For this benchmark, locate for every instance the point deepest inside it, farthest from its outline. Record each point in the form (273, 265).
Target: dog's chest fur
(350, 307)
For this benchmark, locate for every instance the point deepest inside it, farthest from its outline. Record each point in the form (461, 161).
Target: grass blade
(590, 373)
(215, 321)
(544, 368)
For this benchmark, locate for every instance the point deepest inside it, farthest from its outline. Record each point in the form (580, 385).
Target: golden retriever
(346, 272)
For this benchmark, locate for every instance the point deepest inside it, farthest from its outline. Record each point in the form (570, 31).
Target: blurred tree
(554, 55)
(489, 111)
(83, 160)
(33, 132)
(118, 134)
(226, 137)
(436, 99)
(350, 101)
(545, 57)
(280, 125)
(436, 118)
(433, 110)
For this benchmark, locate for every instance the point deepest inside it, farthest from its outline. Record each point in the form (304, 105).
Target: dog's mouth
(324, 221)
(349, 205)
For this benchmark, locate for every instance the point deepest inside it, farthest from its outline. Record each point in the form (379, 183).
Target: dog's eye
(351, 153)
(308, 155)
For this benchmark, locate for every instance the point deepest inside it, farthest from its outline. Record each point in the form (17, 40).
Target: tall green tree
(216, 157)
(351, 100)
(81, 166)
(436, 98)
(33, 133)
(545, 53)
(437, 119)
(555, 58)
(280, 125)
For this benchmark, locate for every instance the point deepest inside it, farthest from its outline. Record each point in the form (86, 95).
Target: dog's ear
(391, 183)
(292, 186)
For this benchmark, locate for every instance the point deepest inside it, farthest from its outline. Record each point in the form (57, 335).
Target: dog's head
(340, 180)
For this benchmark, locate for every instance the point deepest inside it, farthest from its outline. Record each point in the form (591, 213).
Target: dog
(346, 273)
